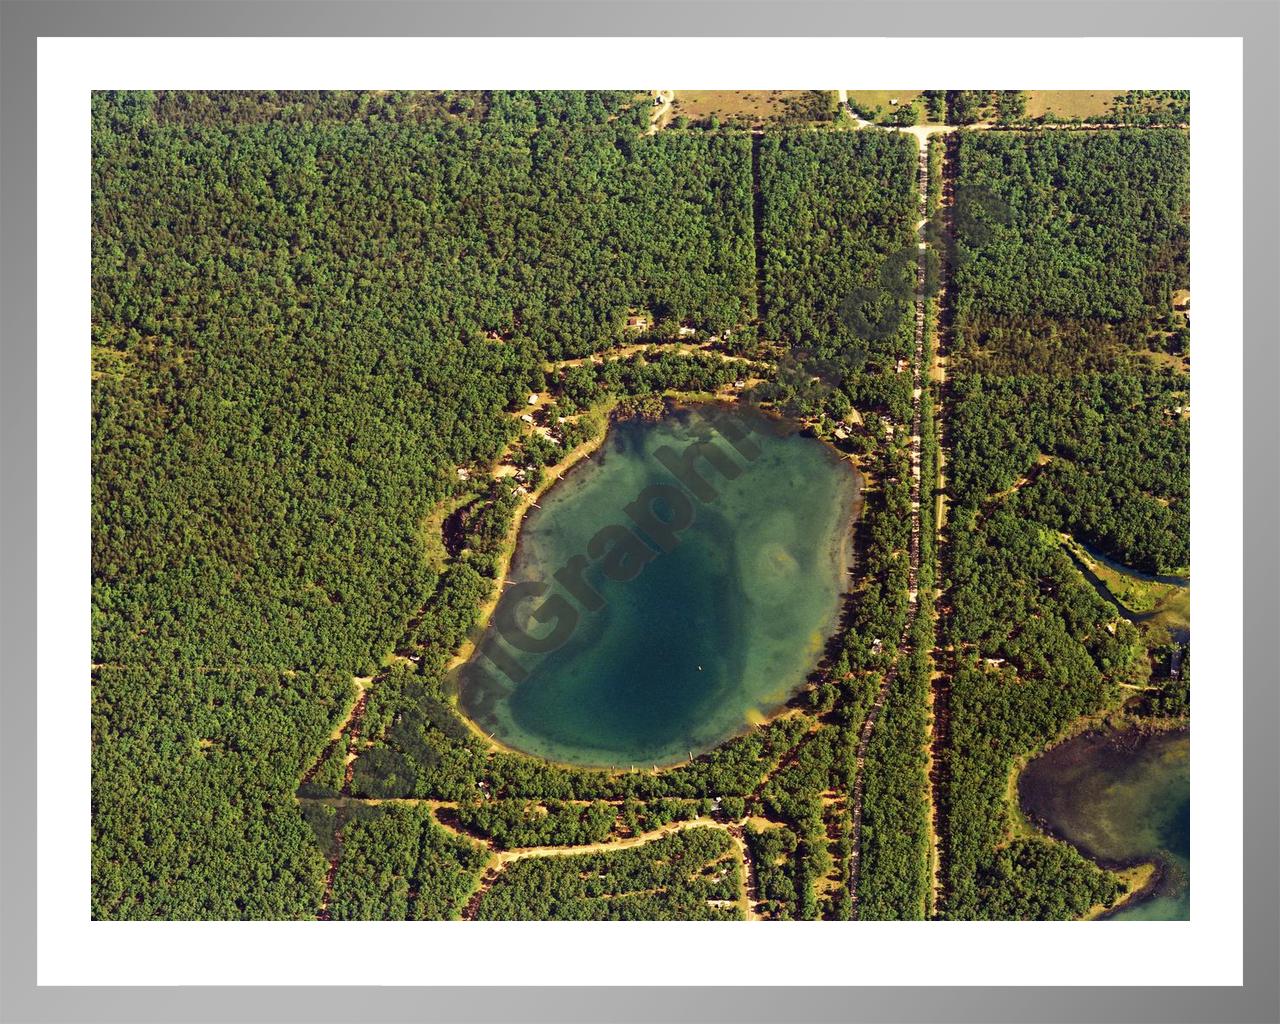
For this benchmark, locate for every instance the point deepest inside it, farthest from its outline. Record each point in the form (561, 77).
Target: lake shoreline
(511, 546)
(577, 460)
(1109, 745)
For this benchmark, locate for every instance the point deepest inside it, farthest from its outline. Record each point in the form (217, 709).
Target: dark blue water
(1122, 797)
(708, 638)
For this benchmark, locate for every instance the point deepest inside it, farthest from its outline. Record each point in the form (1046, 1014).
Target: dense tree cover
(1039, 880)
(193, 778)
(880, 597)
(180, 107)
(895, 872)
(810, 841)
(444, 760)
(1066, 260)
(1075, 226)
(640, 817)
(773, 852)
(933, 198)
(691, 875)
(894, 883)
(511, 823)
(1035, 650)
(308, 310)
(793, 796)
(837, 232)
(397, 864)
(653, 371)
(1119, 472)
(340, 275)
(423, 748)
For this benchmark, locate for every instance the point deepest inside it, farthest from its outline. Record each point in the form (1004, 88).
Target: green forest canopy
(310, 308)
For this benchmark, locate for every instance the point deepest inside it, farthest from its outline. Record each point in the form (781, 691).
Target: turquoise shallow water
(708, 636)
(1122, 797)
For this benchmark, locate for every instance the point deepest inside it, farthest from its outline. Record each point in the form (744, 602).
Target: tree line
(1058, 423)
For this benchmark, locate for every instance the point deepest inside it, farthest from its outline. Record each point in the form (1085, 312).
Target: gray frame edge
(1257, 21)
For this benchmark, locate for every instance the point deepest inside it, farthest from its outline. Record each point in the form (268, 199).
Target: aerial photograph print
(641, 505)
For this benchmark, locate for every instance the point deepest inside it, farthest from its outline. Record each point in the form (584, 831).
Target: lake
(710, 636)
(1122, 797)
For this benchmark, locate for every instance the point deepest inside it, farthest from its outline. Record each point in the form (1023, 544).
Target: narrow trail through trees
(939, 678)
(757, 221)
(918, 375)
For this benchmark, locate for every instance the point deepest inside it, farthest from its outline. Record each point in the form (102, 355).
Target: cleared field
(755, 106)
(872, 98)
(1083, 103)
(1174, 362)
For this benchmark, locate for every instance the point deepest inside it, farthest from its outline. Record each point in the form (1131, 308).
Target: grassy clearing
(1181, 364)
(880, 97)
(1174, 612)
(1089, 104)
(431, 530)
(877, 101)
(753, 106)
(1136, 878)
(1168, 605)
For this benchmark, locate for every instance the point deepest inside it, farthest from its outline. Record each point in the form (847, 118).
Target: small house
(533, 399)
